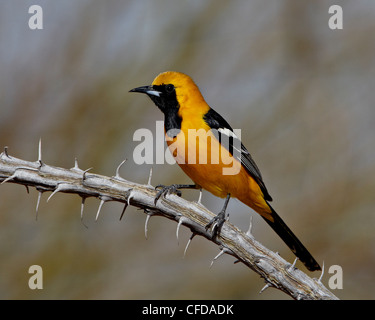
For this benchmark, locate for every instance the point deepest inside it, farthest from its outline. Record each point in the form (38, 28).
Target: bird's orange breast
(201, 156)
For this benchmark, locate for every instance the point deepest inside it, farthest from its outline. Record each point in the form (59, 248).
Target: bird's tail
(279, 226)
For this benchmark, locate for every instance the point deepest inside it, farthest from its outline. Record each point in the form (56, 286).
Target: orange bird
(208, 150)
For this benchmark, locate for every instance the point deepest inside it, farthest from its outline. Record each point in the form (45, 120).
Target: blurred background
(302, 94)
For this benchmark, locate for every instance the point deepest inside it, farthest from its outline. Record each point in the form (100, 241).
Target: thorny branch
(277, 272)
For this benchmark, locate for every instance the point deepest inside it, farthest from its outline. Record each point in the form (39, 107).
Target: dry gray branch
(277, 272)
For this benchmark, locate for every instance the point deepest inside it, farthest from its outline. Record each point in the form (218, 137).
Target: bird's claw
(216, 223)
(166, 190)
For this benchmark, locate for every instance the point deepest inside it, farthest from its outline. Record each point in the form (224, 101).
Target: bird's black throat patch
(168, 104)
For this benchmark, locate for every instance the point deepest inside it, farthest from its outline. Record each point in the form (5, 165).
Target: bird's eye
(169, 88)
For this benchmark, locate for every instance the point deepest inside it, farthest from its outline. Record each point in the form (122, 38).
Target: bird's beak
(146, 89)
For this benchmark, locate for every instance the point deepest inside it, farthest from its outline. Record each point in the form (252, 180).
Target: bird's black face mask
(164, 97)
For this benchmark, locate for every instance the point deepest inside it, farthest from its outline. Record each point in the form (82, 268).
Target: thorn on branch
(200, 196)
(17, 174)
(100, 207)
(41, 164)
(131, 194)
(102, 200)
(76, 164)
(117, 176)
(180, 221)
(84, 175)
(222, 251)
(9, 178)
(149, 177)
(37, 204)
(188, 243)
(5, 152)
(293, 266)
(248, 232)
(60, 187)
(82, 206)
(149, 214)
(53, 193)
(146, 224)
(268, 285)
(76, 167)
(178, 229)
(123, 210)
(321, 276)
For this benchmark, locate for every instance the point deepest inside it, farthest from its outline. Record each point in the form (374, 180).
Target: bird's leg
(219, 220)
(174, 188)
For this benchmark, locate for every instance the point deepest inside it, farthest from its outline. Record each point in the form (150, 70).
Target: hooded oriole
(184, 108)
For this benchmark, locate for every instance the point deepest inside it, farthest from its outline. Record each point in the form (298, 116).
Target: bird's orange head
(174, 92)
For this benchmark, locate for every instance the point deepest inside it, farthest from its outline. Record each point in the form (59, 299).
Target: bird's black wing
(224, 130)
